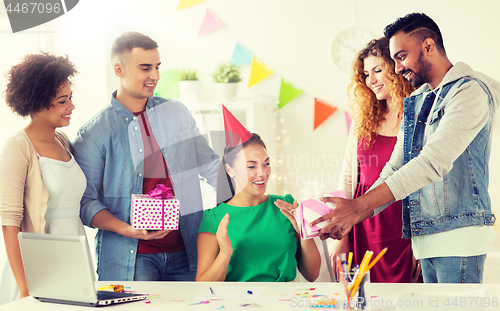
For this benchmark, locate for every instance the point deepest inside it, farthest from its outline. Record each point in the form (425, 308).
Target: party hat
(236, 133)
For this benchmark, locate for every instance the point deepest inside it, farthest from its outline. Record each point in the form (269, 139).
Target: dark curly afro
(33, 83)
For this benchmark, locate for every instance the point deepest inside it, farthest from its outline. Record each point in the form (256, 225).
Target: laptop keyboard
(103, 295)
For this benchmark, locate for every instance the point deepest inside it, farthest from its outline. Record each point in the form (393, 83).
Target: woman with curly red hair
(41, 185)
(376, 96)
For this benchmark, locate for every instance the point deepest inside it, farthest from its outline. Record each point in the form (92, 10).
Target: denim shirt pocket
(437, 115)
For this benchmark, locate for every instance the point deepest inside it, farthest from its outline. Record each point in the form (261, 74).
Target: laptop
(59, 269)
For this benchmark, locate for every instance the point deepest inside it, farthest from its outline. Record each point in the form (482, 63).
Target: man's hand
(104, 220)
(143, 234)
(345, 215)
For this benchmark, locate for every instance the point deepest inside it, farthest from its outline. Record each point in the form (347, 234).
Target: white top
(463, 242)
(66, 184)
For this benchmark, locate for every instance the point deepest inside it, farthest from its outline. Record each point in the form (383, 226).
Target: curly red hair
(368, 112)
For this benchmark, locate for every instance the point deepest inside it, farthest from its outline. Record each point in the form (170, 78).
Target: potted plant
(189, 83)
(227, 76)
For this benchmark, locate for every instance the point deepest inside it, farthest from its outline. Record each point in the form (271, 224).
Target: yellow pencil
(382, 252)
(362, 271)
(349, 262)
(364, 263)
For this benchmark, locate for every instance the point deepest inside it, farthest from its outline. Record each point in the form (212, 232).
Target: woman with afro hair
(376, 96)
(41, 184)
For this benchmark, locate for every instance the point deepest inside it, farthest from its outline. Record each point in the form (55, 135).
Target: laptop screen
(58, 267)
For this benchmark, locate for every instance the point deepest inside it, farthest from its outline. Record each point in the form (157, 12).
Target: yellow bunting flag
(259, 72)
(322, 111)
(287, 93)
(187, 3)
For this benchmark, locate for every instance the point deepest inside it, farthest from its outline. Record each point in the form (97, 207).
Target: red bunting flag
(322, 111)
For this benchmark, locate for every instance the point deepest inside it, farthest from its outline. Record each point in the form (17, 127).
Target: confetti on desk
(204, 302)
(231, 292)
(308, 289)
(250, 305)
(332, 303)
(154, 296)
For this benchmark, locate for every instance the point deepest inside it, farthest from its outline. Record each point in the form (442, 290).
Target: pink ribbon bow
(161, 192)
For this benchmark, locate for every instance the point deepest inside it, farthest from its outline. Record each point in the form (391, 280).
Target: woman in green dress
(252, 237)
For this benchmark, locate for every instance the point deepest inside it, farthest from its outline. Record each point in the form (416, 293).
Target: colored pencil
(382, 252)
(339, 264)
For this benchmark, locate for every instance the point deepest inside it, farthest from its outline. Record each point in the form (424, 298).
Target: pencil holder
(356, 290)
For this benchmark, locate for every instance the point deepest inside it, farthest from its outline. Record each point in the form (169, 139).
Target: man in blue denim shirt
(439, 167)
(133, 143)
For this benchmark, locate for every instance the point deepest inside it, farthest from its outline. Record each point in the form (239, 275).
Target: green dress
(263, 240)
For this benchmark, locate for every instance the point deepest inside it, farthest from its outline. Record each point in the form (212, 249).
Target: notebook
(59, 269)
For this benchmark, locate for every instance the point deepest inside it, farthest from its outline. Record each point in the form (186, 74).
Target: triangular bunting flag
(287, 93)
(348, 121)
(241, 55)
(259, 72)
(187, 3)
(211, 23)
(322, 110)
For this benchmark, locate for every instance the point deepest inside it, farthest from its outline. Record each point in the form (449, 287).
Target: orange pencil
(339, 265)
(382, 252)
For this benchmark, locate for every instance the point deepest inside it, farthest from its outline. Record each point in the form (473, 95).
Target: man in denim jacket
(439, 167)
(132, 144)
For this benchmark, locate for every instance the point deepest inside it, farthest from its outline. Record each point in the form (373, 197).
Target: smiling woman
(41, 185)
(376, 94)
(260, 243)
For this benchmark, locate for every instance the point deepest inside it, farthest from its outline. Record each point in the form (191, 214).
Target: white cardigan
(349, 173)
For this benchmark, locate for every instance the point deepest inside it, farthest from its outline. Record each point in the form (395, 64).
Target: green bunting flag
(288, 92)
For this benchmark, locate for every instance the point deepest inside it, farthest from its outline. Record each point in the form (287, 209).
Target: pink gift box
(154, 214)
(310, 210)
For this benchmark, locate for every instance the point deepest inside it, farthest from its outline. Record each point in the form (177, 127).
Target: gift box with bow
(310, 210)
(157, 210)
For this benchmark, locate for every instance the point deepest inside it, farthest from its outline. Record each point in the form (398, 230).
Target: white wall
(293, 37)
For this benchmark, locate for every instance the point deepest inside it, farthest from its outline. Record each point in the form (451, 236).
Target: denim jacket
(440, 163)
(109, 149)
(461, 198)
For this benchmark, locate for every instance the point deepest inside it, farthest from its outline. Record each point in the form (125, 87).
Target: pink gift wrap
(154, 214)
(310, 210)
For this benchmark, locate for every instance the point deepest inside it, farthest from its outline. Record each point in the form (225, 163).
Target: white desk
(279, 296)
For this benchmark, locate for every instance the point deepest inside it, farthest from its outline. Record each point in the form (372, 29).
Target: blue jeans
(453, 269)
(163, 267)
